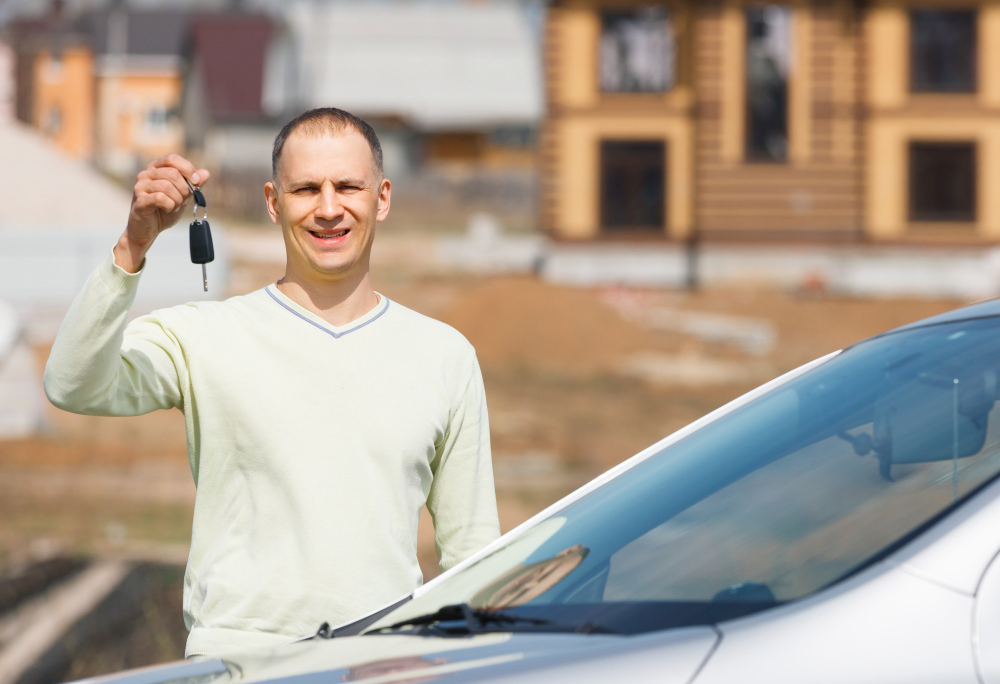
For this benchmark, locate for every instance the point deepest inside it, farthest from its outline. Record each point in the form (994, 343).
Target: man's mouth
(329, 235)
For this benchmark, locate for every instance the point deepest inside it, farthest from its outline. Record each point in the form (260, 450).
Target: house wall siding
(851, 120)
(896, 117)
(815, 194)
(580, 117)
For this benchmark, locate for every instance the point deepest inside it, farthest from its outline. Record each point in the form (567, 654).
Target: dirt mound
(522, 321)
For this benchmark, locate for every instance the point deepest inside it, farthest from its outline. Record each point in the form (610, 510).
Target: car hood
(671, 657)
(395, 658)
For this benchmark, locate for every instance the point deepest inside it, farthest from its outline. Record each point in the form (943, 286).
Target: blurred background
(635, 210)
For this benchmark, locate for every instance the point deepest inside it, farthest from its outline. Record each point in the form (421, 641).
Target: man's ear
(384, 193)
(271, 198)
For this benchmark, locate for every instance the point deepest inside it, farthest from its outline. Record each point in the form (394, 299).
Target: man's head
(329, 121)
(327, 194)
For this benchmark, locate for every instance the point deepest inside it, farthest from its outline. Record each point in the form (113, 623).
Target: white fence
(43, 269)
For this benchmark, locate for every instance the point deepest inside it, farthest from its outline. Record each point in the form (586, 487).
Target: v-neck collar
(334, 330)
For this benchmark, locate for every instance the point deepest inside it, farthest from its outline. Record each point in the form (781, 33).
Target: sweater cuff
(116, 278)
(218, 642)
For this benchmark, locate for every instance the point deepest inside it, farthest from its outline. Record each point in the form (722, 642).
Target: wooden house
(821, 121)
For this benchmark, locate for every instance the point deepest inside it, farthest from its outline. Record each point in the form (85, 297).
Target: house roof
(228, 49)
(230, 52)
(33, 34)
(435, 65)
(147, 32)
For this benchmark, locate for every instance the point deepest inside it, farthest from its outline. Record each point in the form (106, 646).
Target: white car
(839, 524)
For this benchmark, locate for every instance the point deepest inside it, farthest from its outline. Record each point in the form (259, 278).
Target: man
(320, 416)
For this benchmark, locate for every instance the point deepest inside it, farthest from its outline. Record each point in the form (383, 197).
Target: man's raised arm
(95, 366)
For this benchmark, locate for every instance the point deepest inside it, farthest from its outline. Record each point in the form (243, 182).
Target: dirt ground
(577, 381)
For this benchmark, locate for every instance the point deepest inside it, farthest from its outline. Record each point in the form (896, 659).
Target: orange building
(63, 104)
(106, 85)
(839, 121)
(139, 78)
(136, 116)
(54, 80)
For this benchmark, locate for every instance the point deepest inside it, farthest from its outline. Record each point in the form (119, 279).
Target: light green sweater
(313, 447)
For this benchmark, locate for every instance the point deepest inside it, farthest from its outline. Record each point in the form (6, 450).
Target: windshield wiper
(476, 620)
(473, 619)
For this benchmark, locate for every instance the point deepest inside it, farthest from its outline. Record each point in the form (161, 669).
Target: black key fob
(202, 251)
(200, 235)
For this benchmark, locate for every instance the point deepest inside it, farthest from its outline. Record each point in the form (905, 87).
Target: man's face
(327, 200)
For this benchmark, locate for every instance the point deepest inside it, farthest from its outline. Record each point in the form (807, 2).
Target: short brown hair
(326, 120)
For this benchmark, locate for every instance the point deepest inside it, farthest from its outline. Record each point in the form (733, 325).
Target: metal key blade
(204, 276)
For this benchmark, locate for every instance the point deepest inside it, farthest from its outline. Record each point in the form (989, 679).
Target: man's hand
(159, 198)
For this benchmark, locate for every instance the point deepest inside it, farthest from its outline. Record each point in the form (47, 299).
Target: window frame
(53, 122)
(914, 214)
(606, 229)
(156, 120)
(602, 14)
(54, 67)
(748, 156)
(916, 88)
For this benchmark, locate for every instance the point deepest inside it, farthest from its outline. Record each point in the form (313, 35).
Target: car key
(200, 235)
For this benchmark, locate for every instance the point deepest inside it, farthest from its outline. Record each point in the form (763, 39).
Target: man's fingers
(160, 192)
(151, 185)
(146, 201)
(168, 174)
(178, 194)
(181, 165)
(178, 162)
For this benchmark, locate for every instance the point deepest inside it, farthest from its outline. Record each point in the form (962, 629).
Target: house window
(768, 56)
(156, 120)
(454, 146)
(633, 175)
(53, 122)
(513, 136)
(943, 51)
(942, 181)
(637, 51)
(52, 68)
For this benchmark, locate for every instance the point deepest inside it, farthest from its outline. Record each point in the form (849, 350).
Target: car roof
(984, 309)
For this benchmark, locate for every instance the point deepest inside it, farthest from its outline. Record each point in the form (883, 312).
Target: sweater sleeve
(462, 500)
(100, 366)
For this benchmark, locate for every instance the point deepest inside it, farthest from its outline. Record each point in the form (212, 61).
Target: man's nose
(329, 204)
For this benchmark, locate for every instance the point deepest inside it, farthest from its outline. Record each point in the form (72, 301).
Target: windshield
(770, 503)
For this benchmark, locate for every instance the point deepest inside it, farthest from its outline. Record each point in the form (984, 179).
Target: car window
(811, 523)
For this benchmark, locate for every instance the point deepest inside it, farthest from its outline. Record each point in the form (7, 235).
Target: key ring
(199, 201)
